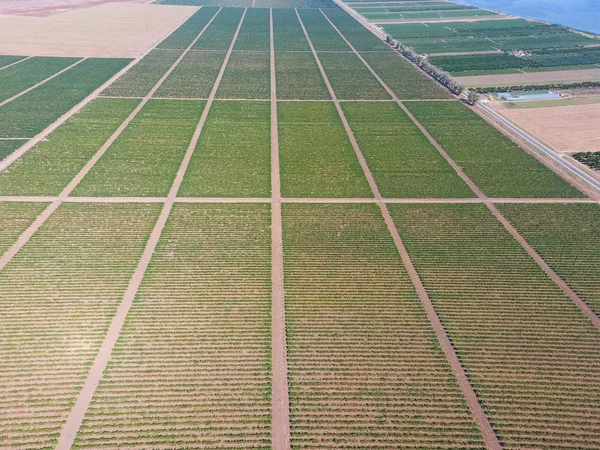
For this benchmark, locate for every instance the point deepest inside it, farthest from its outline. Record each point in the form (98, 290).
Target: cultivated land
(272, 231)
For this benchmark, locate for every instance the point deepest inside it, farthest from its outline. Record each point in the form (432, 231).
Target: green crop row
(14, 219)
(247, 75)
(145, 158)
(298, 77)
(31, 113)
(192, 365)
(401, 159)
(187, 32)
(7, 147)
(316, 156)
(255, 32)
(194, 76)
(495, 163)
(530, 353)
(233, 155)
(57, 298)
(5, 60)
(287, 32)
(364, 363)
(141, 78)
(22, 76)
(48, 167)
(360, 38)
(220, 33)
(567, 238)
(321, 33)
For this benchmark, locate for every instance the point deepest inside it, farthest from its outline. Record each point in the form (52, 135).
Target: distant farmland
(273, 231)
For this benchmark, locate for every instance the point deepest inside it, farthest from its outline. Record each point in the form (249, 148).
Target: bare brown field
(531, 78)
(47, 7)
(567, 129)
(115, 30)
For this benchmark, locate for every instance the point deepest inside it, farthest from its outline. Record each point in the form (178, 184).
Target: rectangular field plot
(57, 298)
(192, 365)
(568, 238)
(22, 76)
(365, 367)
(144, 160)
(406, 81)
(14, 219)
(48, 167)
(360, 38)
(321, 33)
(194, 76)
(247, 75)
(498, 166)
(350, 78)
(29, 114)
(7, 147)
(530, 353)
(224, 3)
(298, 77)
(5, 60)
(401, 159)
(220, 33)
(186, 33)
(141, 78)
(233, 155)
(316, 156)
(287, 32)
(255, 31)
(295, 4)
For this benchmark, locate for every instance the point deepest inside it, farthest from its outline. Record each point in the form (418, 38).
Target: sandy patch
(567, 129)
(117, 30)
(559, 76)
(46, 7)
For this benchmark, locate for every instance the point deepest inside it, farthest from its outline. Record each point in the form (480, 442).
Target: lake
(582, 15)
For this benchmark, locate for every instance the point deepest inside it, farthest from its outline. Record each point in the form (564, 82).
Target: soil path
(75, 418)
(280, 424)
(583, 306)
(44, 81)
(480, 417)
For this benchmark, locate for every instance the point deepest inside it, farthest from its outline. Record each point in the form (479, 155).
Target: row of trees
(435, 72)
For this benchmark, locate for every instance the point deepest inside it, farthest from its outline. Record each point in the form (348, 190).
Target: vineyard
(270, 230)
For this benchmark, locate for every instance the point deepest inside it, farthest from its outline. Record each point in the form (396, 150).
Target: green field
(245, 239)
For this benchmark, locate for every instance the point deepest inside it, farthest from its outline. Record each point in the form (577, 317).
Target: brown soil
(47, 7)
(115, 30)
(567, 129)
(559, 76)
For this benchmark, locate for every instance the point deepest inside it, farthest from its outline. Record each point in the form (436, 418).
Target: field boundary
(479, 415)
(567, 290)
(76, 416)
(280, 418)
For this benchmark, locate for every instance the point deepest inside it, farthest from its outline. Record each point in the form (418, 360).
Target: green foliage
(350, 78)
(496, 164)
(9, 146)
(220, 33)
(247, 75)
(316, 157)
(401, 159)
(186, 33)
(141, 78)
(360, 38)
(48, 167)
(233, 155)
(15, 218)
(359, 342)
(320, 31)
(298, 77)
(144, 160)
(591, 159)
(31, 113)
(194, 76)
(255, 32)
(515, 331)
(5, 60)
(287, 32)
(22, 76)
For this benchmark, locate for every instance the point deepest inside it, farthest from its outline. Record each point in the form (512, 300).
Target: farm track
(75, 419)
(487, 432)
(583, 306)
(280, 426)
